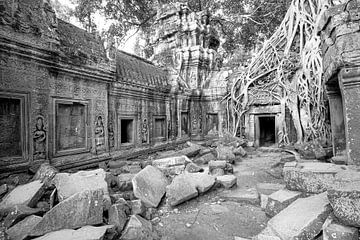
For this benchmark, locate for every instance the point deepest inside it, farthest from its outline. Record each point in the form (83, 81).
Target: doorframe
(257, 127)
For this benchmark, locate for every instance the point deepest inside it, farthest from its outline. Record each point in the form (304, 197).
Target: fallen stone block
(280, 200)
(269, 188)
(240, 151)
(205, 159)
(81, 209)
(187, 186)
(190, 151)
(311, 177)
(344, 197)
(227, 181)
(172, 165)
(150, 186)
(128, 195)
(217, 172)
(124, 181)
(216, 164)
(138, 228)
(193, 168)
(204, 151)
(225, 153)
(303, 219)
(333, 230)
(21, 230)
(249, 196)
(69, 184)
(46, 172)
(28, 194)
(84, 233)
(118, 216)
(137, 207)
(18, 213)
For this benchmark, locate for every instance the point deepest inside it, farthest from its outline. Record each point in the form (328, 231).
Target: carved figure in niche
(144, 131)
(99, 133)
(111, 135)
(39, 139)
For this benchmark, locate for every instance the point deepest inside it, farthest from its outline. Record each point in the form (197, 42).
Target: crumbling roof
(76, 43)
(131, 68)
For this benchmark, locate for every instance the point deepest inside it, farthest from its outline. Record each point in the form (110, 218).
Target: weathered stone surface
(193, 168)
(269, 188)
(280, 200)
(217, 164)
(303, 219)
(344, 197)
(150, 186)
(70, 184)
(45, 172)
(227, 181)
(128, 195)
(311, 177)
(263, 200)
(81, 209)
(138, 229)
(225, 153)
(187, 186)
(190, 151)
(27, 194)
(3, 190)
(118, 216)
(137, 207)
(333, 230)
(124, 181)
(240, 151)
(21, 230)
(205, 159)
(250, 196)
(172, 165)
(18, 213)
(217, 172)
(84, 233)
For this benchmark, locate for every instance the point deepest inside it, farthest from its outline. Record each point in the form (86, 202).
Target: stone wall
(340, 34)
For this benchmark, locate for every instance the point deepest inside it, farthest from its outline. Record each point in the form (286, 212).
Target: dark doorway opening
(127, 131)
(267, 131)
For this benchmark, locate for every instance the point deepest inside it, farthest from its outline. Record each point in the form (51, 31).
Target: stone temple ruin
(97, 143)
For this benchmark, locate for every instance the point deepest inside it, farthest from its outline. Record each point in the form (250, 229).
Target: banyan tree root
(289, 70)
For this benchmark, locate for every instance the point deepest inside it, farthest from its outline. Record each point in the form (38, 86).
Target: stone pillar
(350, 88)
(336, 118)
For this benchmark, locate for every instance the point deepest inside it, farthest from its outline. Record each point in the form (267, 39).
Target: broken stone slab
(225, 153)
(28, 194)
(118, 216)
(172, 165)
(269, 188)
(193, 168)
(81, 209)
(311, 177)
(240, 151)
(227, 181)
(333, 230)
(249, 196)
(69, 184)
(205, 159)
(18, 213)
(280, 200)
(344, 197)
(124, 181)
(138, 228)
(187, 186)
(84, 233)
(21, 230)
(150, 186)
(303, 219)
(45, 172)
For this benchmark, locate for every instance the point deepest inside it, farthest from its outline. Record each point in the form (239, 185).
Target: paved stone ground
(209, 217)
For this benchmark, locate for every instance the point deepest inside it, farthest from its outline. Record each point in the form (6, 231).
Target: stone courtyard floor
(212, 217)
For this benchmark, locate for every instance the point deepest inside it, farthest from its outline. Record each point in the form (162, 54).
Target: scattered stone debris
(205, 159)
(150, 186)
(118, 216)
(280, 200)
(138, 228)
(193, 168)
(227, 181)
(250, 196)
(3, 190)
(225, 168)
(137, 207)
(303, 219)
(240, 151)
(124, 182)
(45, 172)
(333, 230)
(18, 213)
(225, 153)
(172, 165)
(21, 230)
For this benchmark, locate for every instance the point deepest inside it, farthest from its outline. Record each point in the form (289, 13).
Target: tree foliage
(242, 23)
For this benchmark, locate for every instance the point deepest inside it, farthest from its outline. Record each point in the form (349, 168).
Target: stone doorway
(266, 131)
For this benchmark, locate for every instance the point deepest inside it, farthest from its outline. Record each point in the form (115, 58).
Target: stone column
(336, 118)
(350, 89)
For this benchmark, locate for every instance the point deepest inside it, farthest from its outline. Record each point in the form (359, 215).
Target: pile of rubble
(320, 200)
(116, 201)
